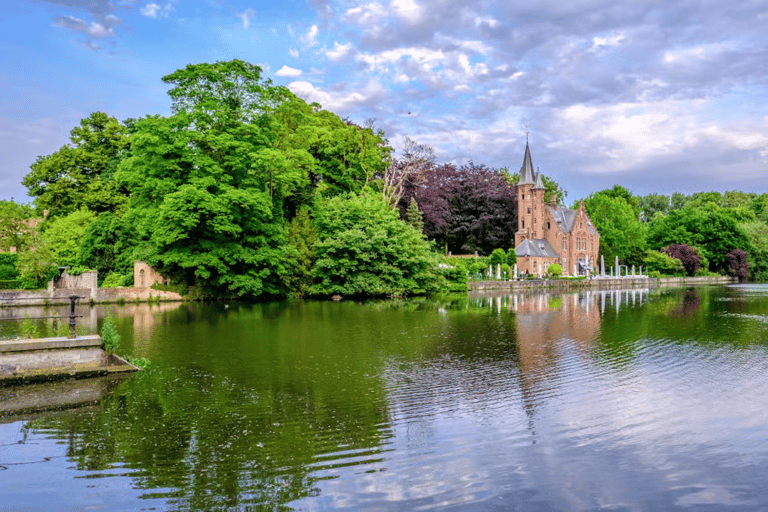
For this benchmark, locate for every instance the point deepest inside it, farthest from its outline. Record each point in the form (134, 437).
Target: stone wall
(145, 276)
(69, 282)
(12, 298)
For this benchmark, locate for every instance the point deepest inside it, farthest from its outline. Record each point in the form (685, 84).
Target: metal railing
(72, 316)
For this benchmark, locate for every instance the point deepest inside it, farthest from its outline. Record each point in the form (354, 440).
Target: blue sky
(654, 96)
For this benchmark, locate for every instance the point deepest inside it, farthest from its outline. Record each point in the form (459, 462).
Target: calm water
(645, 400)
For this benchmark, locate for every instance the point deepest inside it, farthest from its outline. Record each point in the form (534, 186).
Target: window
(523, 224)
(565, 244)
(529, 210)
(141, 277)
(548, 225)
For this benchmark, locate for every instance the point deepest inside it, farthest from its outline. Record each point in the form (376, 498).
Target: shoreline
(611, 283)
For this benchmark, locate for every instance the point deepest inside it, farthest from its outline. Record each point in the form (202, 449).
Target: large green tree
(207, 183)
(80, 174)
(64, 235)
(616, 218)
(710, 229)
(363, 248)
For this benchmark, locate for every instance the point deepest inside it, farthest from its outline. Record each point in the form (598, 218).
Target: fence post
(72, 321)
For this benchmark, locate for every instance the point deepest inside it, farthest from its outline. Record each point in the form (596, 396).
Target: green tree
(64, 235)
(757, 234)
(208, 184)
(497, 257)
(711, 229)
(511, 257)
(364, 248)
(617, 220)
(107, 246)
(80, 174)
(664, 264)
(15, 228)
(414, 217)
(301, 241)
(652, 204)
(36, 265)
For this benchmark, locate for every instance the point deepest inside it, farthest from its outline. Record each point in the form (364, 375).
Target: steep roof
(566, 219)
(539, 183)
(526, 171)
(538, 248)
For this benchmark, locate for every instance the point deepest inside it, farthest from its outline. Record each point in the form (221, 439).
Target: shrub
(738, 265)
(109, 337)
(497, 257)
(688, 256)
(555, 270)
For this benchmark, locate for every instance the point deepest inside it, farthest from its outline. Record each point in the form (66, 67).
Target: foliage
(414, 217)
(28, 328)
(301, 239)
(80, 174)
(498, 256)
(617, 220)
(688, 256)
(455, 277)
(555, 270)
(64, 235)
(363, 248)
(37, 265)
(757, 234)
(713, 231)
(107, 245)
(109, 336)
(15, 227)
(511, 257)
(738, 264)
(652, 204)
(466, 209)
(207, 183)
(656, 262)
(113, 280)
(333, 156)
(8, 266)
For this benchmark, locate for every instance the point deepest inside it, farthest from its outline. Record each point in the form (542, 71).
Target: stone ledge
(92, 340)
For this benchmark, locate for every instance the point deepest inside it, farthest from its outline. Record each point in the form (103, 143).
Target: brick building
(548, 233)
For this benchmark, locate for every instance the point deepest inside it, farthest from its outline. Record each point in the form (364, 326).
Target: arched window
(141, 277)
(565, 244)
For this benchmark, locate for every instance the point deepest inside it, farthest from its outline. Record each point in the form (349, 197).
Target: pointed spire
(526, 171)
(539, 183)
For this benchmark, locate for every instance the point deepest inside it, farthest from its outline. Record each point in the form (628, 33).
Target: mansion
(548, 233)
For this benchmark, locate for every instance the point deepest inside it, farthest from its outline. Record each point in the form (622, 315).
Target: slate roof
(539, 183)
(566, 219)
(537, 248)
(526, 171)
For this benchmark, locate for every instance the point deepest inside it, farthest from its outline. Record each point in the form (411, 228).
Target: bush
(555, 270)
(660, 262)
(497, 257)
(113, 280)
(455, 277)
(109, 337)
(688, 256)
(363, 248)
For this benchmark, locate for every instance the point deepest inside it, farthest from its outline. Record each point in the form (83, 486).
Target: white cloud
(293, 52)
(287, 71)
(340, 101)
(150, 10)
(339, 51)
(407, 10)
(632, 134)
(694, 53)
(310, 39)
(247, 16)
(95, 30)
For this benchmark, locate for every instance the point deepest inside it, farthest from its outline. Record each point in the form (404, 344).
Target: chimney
(553, 201)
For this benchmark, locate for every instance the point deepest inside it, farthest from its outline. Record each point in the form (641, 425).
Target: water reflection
(630, 400)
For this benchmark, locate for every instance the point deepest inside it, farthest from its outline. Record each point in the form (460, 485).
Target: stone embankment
(598, 283)
(58, 296)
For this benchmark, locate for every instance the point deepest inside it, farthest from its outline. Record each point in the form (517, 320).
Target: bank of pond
(637, 399)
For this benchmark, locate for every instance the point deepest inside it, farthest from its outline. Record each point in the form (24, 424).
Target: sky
(655, 96)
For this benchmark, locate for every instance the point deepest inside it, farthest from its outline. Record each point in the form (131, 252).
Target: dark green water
(638, 401)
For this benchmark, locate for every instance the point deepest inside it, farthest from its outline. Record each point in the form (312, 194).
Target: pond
(640, 400)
